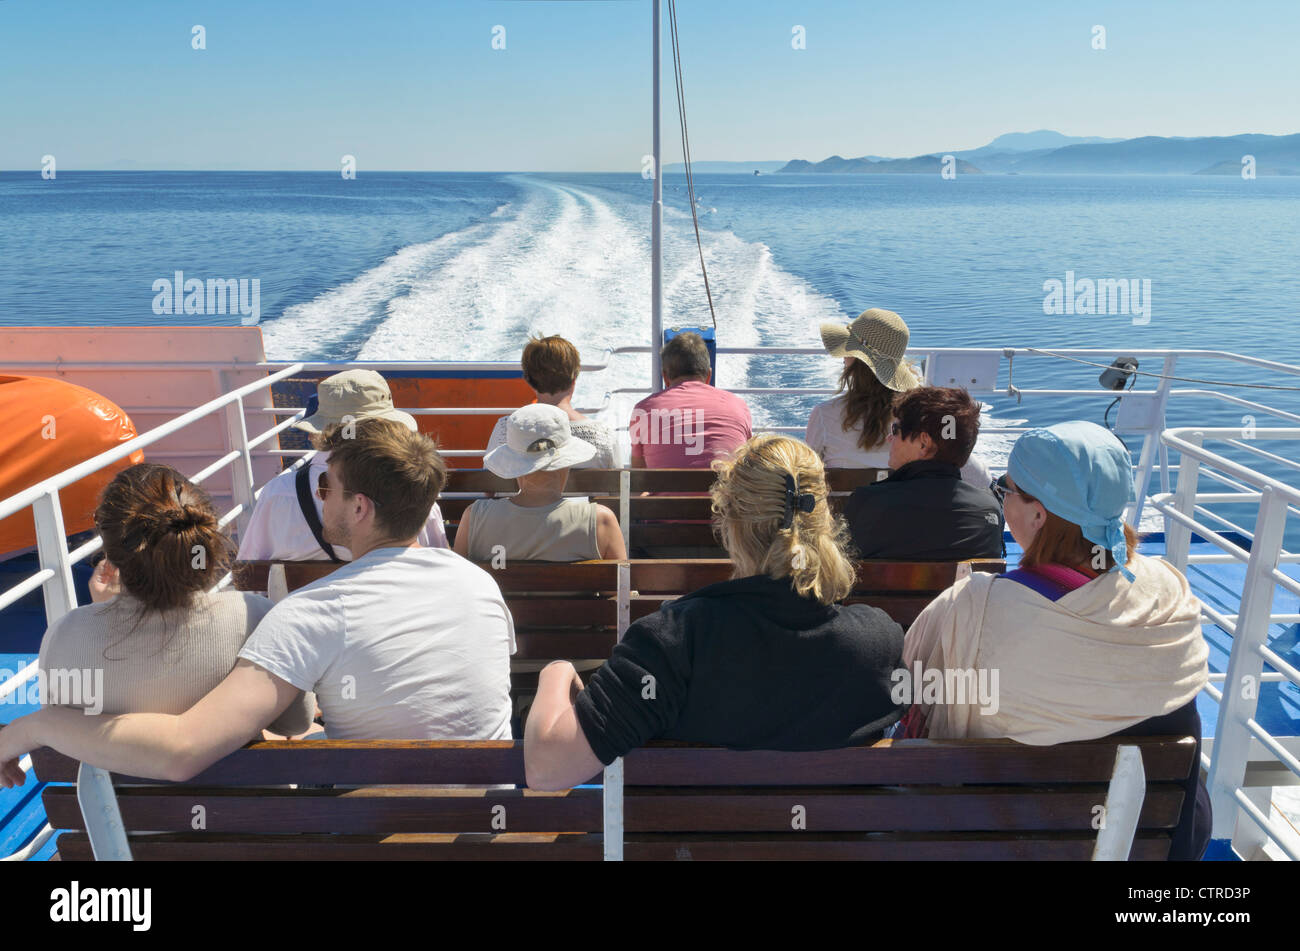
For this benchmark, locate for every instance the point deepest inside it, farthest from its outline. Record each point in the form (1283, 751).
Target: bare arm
(154, 745)
(461, 545)
(609, 536)
(556, 752)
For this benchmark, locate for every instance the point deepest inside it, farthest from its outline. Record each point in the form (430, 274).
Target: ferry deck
(1213, 500)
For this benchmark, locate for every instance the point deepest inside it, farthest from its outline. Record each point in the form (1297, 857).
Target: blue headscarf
(1081, 472)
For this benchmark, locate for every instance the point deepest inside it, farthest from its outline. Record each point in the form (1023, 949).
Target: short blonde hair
(749, 503)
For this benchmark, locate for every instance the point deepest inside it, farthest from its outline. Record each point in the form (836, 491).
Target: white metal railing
(1239, 697)
(1276, 500)
(55, 574)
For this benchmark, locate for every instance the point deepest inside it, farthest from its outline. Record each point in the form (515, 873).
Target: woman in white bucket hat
(539, 523)
(851, 430)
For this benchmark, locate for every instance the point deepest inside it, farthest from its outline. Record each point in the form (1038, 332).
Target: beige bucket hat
(357, 394)
(879, 339)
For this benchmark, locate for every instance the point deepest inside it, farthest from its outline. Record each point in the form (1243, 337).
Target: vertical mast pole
(656, 229)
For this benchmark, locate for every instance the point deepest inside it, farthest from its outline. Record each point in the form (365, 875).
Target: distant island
(921, 164)
(1047, 151)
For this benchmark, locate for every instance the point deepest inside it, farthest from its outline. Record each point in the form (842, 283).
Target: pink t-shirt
(686, 425)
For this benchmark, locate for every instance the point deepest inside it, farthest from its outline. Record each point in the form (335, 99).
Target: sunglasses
(1001, 488)
(895, 429)
(323, 489)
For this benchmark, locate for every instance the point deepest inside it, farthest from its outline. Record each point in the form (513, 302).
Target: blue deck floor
(22, 815)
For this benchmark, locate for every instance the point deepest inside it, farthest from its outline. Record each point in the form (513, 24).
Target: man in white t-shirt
(403, 643)
(279, 529)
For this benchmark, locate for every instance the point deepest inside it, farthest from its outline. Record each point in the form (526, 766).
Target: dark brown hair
(946, 414)
(400, 471)
(686, 356)
(550, 364)
(160, 532)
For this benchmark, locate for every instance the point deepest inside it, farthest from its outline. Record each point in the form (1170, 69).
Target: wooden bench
(659, 508)
(571, 609)
(901, 589)
(912, 799)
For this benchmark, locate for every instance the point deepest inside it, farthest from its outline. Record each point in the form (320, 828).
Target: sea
(465, 266)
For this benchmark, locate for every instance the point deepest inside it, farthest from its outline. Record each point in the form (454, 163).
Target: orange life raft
(50, 426)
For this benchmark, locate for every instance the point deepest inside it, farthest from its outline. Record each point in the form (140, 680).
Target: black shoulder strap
(303, 484)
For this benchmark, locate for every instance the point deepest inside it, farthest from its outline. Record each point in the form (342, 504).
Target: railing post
(94, 786)
(1147, 460)
(625, 507)
(612, 800)
(1178, 537)
(52, 551)
(241, 470)
(1124, 798)
(1242, 683)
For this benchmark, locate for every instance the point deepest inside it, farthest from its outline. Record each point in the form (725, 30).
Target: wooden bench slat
(874, 848)
(566, 645)
(74, 846)
(509, 847)
(568, 612)
(367, 810)
(414, 809)
(887, 763)
(902, 762)
(482, 762)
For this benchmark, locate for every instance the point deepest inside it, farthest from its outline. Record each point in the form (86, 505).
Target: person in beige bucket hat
(354, 394)
(286, 521)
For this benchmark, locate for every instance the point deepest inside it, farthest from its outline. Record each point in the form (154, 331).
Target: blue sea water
(465, 265)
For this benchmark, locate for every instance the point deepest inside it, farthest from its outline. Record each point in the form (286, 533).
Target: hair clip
(804, 503)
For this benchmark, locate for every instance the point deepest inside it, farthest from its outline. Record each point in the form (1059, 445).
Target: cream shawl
(1104, 657)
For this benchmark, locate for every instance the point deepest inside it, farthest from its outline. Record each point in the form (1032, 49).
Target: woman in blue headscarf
(1087, 638)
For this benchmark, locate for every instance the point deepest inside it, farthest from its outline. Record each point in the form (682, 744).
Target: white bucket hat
(356, 394)
(538, 439)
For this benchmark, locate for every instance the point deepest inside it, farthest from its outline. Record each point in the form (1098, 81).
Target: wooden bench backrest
(664, 521)
(913, 799)
(553, 603)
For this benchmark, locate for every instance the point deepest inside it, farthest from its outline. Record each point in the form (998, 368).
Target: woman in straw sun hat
(539, 523)
(851, 430)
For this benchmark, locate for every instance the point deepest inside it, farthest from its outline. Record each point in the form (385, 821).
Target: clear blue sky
(417, 85)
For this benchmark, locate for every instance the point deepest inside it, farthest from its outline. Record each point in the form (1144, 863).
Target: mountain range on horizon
(1048, 151)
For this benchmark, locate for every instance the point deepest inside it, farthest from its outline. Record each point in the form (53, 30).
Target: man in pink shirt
(690, 422)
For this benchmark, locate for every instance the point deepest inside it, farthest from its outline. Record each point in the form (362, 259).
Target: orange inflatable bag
(50, 426)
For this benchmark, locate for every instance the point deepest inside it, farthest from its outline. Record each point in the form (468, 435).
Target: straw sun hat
(879, 339)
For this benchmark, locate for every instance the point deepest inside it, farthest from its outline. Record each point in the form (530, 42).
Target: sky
(419, 85)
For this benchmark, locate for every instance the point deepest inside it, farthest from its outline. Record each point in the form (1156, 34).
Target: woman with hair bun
(156, 640)
(768, 660)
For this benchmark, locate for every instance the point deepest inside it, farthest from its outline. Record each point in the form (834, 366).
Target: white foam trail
(571, 260)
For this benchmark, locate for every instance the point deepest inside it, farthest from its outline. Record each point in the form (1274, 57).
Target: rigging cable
(1162, 376)
(686, 151)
